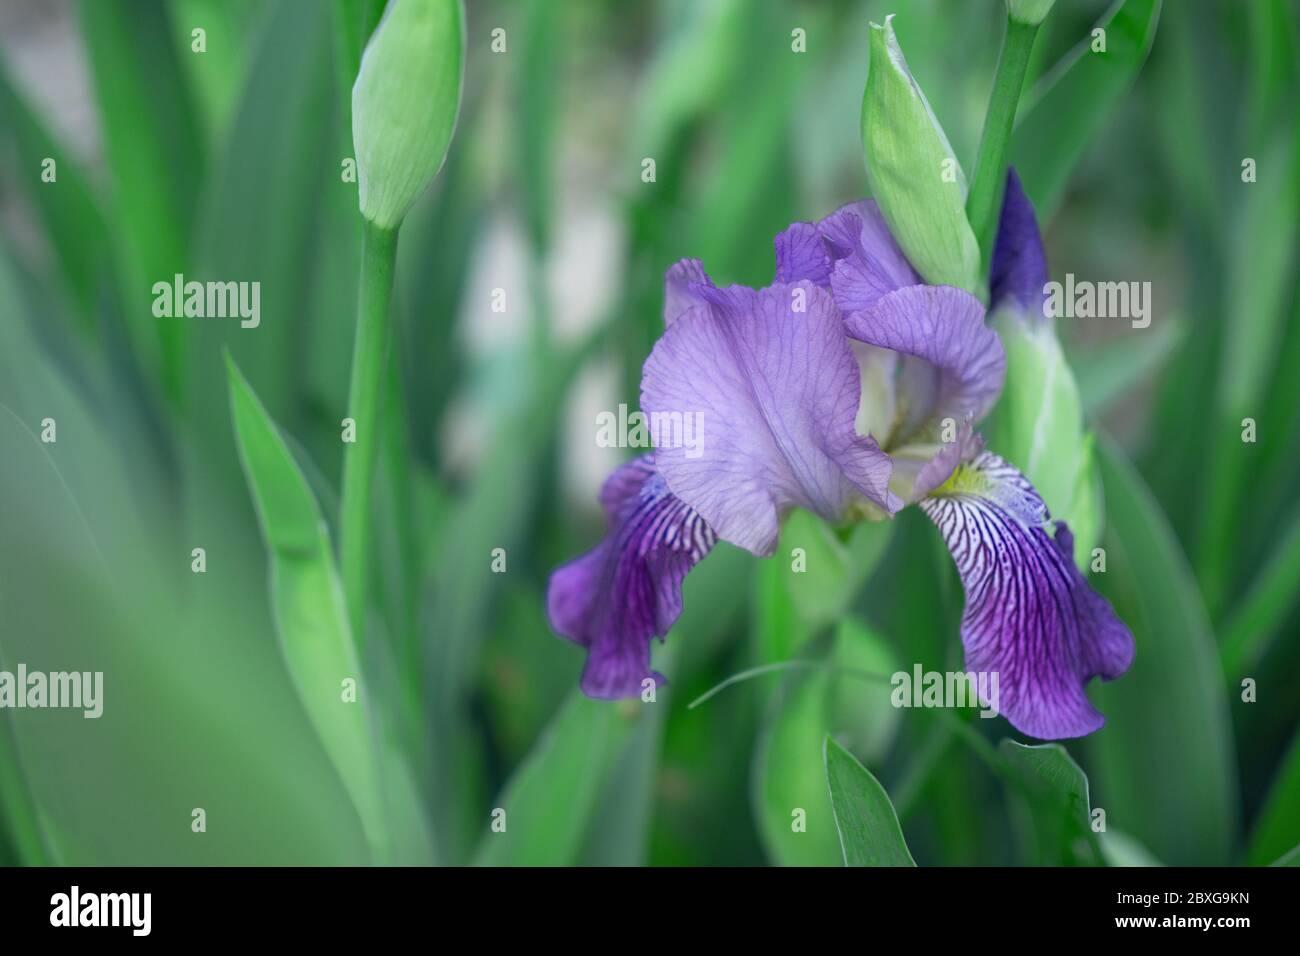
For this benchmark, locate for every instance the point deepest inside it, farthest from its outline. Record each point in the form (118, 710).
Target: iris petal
(956, 365)
(771, 380)
(1030, 616)
(680, 283)
(625, 591)
(1018, 271)
(851, 251)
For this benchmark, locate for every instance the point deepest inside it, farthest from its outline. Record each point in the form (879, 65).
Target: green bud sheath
(914, 176)
(404, 104)
(1038, 425)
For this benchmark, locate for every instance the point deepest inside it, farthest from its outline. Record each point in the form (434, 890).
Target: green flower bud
(913, 173)
(1037, 426)
(404, 104)
(1029, 12)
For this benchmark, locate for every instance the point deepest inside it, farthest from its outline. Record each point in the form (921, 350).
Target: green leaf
(1277, 828)
(791, 806)
(310, 615)
(868, 827)
(1120, 849)
(1115, 368)
(71, 219)
(813, 577)
(1261, 277)
(1292, 858)
(1266, 606)
(538, 107)
(155, 157)
(1071, 104)
(1052, 792)
(260, 218)
(1165, 758)
(862, 714)
(551, 798)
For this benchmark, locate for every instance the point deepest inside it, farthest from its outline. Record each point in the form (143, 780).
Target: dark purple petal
(1030, 616)
(955, 365)
(1018, 270)
(625, 591)
(772, 382)
(851, 251)
(680, 282)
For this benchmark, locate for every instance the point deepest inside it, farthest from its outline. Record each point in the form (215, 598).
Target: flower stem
(369, 362)
(985, 198)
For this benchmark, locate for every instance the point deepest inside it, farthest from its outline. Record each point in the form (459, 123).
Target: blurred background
(226, 165)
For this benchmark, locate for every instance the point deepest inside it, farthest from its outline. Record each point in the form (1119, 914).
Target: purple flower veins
(849, 388)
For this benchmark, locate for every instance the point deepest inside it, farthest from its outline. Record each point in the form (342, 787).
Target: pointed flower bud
(404, 104)
(913, 173)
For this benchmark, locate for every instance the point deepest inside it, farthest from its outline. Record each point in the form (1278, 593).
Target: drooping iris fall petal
(1030, 616)
(625, 591)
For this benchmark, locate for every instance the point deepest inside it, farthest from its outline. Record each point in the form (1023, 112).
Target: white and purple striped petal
(771, 380)
(1030, 615)
(625, 591)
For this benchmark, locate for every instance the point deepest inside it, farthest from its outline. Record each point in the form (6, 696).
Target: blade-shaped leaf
(550, 800)
(1070, 107)
(1052, 790)
(1278, 824)
(310, 615)
(72, 221)
(791, 806)
(868, 827)
(1165, 758)
(155, 157)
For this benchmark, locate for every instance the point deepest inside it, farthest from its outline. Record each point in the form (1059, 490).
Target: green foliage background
(226, 165)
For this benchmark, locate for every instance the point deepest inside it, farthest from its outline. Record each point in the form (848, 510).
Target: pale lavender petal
(956, 365)
(771, 381)
(872, 264)
(802, 253)
(851, 251)
(1018, 271)
(680, 282)
(625, 591)
(1030, 615)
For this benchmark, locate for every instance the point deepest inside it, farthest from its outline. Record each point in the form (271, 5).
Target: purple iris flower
(849, 388)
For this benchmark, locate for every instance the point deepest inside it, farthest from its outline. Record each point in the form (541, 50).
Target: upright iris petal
(1030, 616)
(850, 252)
(1018, 271)
(625, 591)
(771, 379)
(954, 364)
